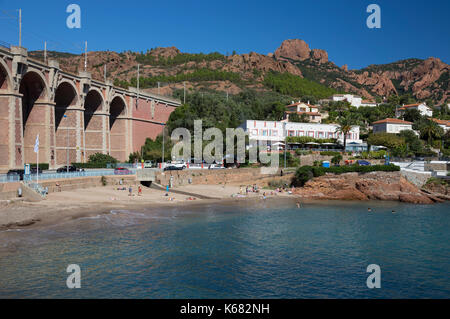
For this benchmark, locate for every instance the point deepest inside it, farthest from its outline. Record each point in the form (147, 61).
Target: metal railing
(37, 188)
(47, 176)
(9, 179)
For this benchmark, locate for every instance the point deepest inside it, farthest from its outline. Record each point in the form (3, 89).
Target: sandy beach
(66, 205)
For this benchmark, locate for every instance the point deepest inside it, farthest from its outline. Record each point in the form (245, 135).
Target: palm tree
(430, 130)
(346, 122)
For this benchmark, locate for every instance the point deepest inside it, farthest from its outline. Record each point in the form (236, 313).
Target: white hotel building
(277, 131)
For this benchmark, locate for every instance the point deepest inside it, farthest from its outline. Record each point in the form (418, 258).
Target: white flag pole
(37, 166)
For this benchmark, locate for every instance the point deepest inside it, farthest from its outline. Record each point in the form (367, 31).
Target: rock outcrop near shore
(369, 186)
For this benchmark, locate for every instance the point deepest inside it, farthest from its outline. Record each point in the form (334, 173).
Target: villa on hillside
(391, 126)
(312, 112)
(444, 124)
(421, 107)
(354, 100)
(275, 133)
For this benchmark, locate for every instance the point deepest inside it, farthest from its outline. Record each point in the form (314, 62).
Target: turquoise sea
(269, 249)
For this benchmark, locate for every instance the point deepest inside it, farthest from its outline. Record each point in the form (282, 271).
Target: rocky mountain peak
(294, 49)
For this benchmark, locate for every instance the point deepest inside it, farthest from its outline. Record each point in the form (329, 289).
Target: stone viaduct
(70, 112)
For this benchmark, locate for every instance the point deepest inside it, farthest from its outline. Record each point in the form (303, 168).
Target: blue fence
(46, 176)
(9, 179)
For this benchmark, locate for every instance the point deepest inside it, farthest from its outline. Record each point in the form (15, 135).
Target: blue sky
(408, 28)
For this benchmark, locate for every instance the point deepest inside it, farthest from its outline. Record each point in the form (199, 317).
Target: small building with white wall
(368, 103)
(389, 125)
(421, 107)
(354, 100)
(301, 108)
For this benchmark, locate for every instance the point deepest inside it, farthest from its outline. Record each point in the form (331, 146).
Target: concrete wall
(85, 182)
(244, 176)
(417, 178)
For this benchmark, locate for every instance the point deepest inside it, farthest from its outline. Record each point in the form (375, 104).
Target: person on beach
(139, 190)
(298, 205)
(130, 191)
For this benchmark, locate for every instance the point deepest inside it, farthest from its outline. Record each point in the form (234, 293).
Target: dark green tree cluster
(198, 75)
(152, 150)
(289, 84)
(178, 59)
(215, 110)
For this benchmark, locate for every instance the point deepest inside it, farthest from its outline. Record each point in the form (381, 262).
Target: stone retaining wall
(85, 182)
(244, 176)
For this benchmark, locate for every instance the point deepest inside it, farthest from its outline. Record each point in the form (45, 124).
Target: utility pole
(85, 56)
(158, 87)
(45, 51)
(184, 92)
(20, 27)
(104, 71)
(285, 145)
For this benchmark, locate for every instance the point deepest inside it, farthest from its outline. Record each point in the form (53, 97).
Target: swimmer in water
(369, 209)
(298, 205)
(393, 211)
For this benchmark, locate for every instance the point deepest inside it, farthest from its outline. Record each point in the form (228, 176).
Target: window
(254, 132)
(264, 132)
(274, 133)
(311, 134)
(291, 133)
(300, 133)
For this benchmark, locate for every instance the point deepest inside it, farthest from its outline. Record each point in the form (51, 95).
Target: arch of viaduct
(70, 112)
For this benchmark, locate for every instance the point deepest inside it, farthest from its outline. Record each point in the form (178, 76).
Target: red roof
(307, 113)
(392, 121)
(441, 122)
(409, 105)
(295, 104)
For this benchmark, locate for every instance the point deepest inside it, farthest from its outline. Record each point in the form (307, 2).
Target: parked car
(180, 164)
(122, 171)
(35, 170)
(363, 163)
(64, 169)
(216, 166)
(15, 173)
(148, 164)
(173, 168)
